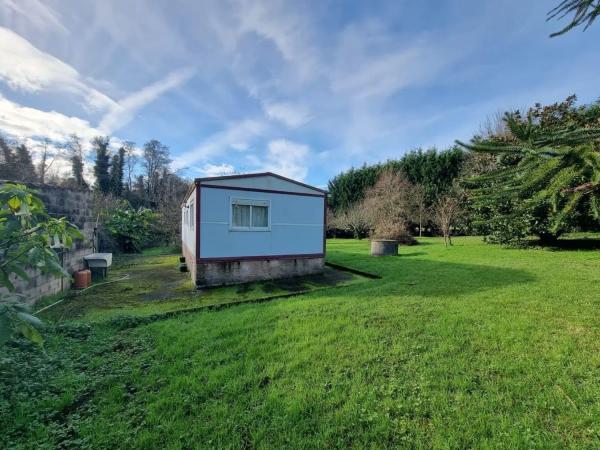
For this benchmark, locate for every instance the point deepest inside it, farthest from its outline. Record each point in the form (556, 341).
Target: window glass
(260, 216)
(191, 214)
(241, 215)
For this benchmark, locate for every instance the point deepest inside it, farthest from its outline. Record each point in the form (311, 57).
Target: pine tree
(117, 167)
(549, 177)
(101, 167)
(26, 169)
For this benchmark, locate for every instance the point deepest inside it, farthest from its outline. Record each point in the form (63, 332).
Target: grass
(472, 346)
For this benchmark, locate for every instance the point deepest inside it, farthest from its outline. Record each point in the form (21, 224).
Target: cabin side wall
(189, 223)
(296, 225)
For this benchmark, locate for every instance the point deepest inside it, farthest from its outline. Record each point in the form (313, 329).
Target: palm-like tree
(584, 12)
(558, 169)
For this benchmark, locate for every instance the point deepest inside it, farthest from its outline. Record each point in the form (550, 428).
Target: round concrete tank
(384, 247)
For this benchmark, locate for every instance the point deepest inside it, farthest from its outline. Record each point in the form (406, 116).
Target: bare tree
(155, 159)
(445, 211)
(47, 159)
(355, 220)
(389, 204)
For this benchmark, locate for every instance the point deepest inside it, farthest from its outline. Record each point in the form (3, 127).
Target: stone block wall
(76, 206)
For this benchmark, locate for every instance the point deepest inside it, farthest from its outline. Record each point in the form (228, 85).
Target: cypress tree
(7, 160)
(117, 167)
(24, 163)
(101, 167)
(77, 165)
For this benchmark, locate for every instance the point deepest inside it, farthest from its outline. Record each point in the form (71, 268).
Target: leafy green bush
(28, 238)
(131, 228)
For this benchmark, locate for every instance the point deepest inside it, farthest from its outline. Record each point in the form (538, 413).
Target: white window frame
(249, 202)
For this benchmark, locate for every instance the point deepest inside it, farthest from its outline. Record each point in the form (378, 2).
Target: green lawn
(472, 346)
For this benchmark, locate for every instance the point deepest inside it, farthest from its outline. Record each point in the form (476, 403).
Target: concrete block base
(233, 272)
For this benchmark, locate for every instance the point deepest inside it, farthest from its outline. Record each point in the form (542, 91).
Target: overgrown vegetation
(131, 228)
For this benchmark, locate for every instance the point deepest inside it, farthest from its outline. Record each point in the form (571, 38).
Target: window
(191, 213)
(249, 215)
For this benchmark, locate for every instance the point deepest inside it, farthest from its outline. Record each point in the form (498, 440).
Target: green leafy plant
(549, 178)
(28, 238)
(131, 228)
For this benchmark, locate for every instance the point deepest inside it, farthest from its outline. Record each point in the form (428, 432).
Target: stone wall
(76, 206)
(232, 272)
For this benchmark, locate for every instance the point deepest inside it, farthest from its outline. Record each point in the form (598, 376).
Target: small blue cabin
(258, 226)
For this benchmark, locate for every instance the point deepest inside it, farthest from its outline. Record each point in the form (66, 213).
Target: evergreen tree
(117, 167)
(101, 168)
(76, 150)
(549, 179)
(26, 169)
(584, 13)
(7, 161)
(434, 170)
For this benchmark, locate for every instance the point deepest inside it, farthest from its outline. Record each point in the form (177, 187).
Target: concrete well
(384, 247)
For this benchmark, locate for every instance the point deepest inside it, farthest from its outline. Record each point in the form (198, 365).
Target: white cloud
(22, 122)
(289, 32)
(373, 61)
(124, 111)
(287, 113)
(34, 12)
(236, 137)
(28, 69)
(287, 158)
(215, 170)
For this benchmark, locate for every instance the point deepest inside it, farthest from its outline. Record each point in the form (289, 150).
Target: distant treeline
(434, 170)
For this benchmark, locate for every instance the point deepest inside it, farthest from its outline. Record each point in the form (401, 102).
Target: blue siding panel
(296, 225)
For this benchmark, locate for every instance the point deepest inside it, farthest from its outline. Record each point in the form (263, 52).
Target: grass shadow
(571, 244)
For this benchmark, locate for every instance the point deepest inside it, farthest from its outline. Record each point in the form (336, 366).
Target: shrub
(131, 228)
(394, 232)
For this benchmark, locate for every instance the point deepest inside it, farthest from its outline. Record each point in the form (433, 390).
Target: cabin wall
(297, 225)
(188, 231)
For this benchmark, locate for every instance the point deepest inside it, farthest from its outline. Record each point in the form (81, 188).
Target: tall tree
(156, 157)
(117, 166)
(75, 148)
(584, 12)
(47, 158)
(549, 180)
(130, 162)
(24, 163)
(7, 160)
(101, 168)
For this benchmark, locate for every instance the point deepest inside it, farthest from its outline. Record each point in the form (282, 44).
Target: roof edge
(259, 174)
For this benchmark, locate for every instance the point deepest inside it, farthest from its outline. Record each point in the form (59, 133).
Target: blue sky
(305, 89)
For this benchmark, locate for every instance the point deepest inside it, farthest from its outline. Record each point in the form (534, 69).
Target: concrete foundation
(233, 272)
